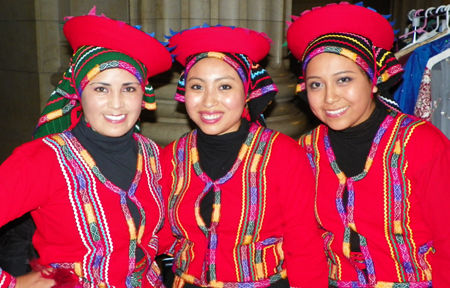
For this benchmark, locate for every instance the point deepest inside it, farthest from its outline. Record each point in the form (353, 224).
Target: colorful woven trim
(347, 18)
(347, 215)
(411, 262)
(101, 43)
(258, 85)
(101, 31)
(380, 65)
(91, 222)
(86, 63)
(365, 65)
(359, 34)
(253, 155)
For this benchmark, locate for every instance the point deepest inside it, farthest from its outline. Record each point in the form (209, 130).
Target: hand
(34, 280)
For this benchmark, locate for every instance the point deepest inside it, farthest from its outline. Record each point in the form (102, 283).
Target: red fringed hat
(334, 18)
(104, 32)
(255, 45)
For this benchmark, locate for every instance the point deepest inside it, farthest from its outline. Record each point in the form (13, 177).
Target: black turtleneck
(116, 157)
(351, 147)
(217, 154)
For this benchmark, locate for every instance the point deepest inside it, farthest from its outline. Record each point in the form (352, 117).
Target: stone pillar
(283, 115)
(19, 107)
(199, 12)
(170, 120)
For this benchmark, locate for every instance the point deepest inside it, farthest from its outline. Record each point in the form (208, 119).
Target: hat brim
(253, 44)
(108, 33)
(339, 18)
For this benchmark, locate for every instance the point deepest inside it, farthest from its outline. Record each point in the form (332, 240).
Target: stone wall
(35, 53)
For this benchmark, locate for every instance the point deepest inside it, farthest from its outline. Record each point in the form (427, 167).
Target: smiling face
(339, 92)
(112, 102)
(214, 97)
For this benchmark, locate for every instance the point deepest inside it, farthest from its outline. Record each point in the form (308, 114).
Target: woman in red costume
(92, 187)
(240, 196)
(381, 194)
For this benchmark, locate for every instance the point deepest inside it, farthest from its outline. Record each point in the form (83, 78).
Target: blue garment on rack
(408, 90)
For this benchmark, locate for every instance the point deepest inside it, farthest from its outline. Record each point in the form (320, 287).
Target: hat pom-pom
(305, 12)
(92, 12)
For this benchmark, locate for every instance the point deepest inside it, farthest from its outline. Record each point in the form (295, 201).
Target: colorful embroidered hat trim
(93, 30)
(258, 86)
(378, 63)
(87, 62)
(345, 17)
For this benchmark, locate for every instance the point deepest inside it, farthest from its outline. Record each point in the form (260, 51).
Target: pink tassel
(305, 12)
(246, 30)
(63, 277)
(93, 11)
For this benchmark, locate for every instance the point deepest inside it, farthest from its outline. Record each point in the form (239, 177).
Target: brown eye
(314, 85)
(344, 79)
(130, 89)
(196, 87)
(100, 89)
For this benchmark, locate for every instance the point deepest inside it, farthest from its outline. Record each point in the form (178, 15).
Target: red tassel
(64, 278)
(74, 117)
(245, 113)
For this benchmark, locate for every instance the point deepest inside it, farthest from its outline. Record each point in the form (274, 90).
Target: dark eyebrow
(101, 83)
(342, 72)
(337, 73)
(195, 78)
(108, 84)
(215, 80)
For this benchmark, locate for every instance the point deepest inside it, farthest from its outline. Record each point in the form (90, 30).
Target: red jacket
(284, 216)
(401, 206)
(38, 177)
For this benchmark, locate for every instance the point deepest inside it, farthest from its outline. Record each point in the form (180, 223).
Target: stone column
(269, 16)
(283, 115)
(170, 120)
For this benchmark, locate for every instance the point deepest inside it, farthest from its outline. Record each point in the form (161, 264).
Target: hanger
(416, 23)
(447, 17)
(442, 28)
(430, 12)
(440, 11)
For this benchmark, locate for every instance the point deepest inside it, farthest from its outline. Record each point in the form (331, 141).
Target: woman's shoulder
(284, 140)
(36, 148)
(285, 145)
(305, 138)
(424, 133)
(32, 154)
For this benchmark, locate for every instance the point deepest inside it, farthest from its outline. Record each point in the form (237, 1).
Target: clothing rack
(419, 20)
(431, 12)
